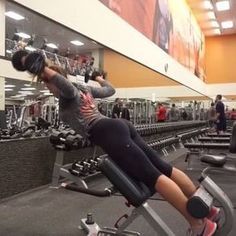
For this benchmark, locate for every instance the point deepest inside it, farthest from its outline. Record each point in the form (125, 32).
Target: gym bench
(137, 194)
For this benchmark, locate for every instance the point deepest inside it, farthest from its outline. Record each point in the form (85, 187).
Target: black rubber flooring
(57, 212)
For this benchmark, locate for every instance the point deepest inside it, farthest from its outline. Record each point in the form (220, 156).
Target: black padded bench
(136, 193)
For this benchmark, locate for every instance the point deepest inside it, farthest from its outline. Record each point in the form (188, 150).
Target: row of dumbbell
(147, 130)
(28, 132)
(85, 167)
(69, 139)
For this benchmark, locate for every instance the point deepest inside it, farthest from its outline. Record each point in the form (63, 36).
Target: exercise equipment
(231, 146)
(137, 194)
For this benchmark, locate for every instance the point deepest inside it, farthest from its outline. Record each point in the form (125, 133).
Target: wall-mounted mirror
(134, 82)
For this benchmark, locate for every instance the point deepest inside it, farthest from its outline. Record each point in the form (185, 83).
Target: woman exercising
(117, 137)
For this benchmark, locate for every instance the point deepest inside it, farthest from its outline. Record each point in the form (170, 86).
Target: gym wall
(125, 73)
(96, 21)
(220, 59)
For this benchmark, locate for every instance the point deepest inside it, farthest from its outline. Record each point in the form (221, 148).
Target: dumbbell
(80, 168)
(70, 141)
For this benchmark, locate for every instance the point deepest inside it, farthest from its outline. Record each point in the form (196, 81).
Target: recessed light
(44, 91)
(214, 24)
(28, 89)
(52, 45)
(27, 85)
(222, 5)
(9, 86)
(31, 49)
(211, 15)
(23, 35)
(77, 42)
(9, 51)
(227, 24)
(8, 89)
(47, 94)
(207, 5)
(14, 15)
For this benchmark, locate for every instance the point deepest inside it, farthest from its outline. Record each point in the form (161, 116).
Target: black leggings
(119, 139)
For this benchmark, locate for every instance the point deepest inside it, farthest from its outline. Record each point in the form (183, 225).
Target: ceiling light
(28, 89)
(44, 91)
(9, 51)
(222, 5)
(207, 5)
(27, 85)
(77, 42)
(9, 86)
(17, 96)
(29, 48)
(227, 24)
(47, 94)
(211, 15)
(214, 24)
(212, 32)
(52, 45)
(23, 35)
(14, 15)
(26, 92)
(8, 89)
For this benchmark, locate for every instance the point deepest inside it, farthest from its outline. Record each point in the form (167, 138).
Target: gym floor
(48, 212)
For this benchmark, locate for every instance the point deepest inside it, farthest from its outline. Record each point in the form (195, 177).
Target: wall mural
(168, 23)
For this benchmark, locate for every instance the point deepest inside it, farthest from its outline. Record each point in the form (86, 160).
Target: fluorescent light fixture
(17, 96)
(31, 49)
(27, 85)
(222, 5)
(77, 42)
(26, 92)
(28, 89)
(44, 91)
(216, 31)
(9, 51)
(9, 86)
(47, 94)
(14, 15)
(23, 35)
(211, 15)
(212, 32)
(8, 89)
(214, 24)
(52, 45)
(207, 5)
(227, 24)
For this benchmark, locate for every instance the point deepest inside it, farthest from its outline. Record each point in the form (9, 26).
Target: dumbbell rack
(61, 172)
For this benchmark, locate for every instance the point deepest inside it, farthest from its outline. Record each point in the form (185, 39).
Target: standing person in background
(116, 111)
(184, 115)
(161, 113)
(220, 115)
(173, 113)
(125, 112)
(211, 115)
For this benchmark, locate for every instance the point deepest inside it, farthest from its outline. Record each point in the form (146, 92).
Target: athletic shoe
(214, 214)
(208, 229)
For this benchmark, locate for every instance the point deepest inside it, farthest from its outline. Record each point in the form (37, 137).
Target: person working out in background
(117, 137)
(161, 113)
(220, 115)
